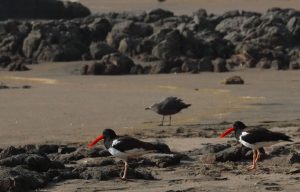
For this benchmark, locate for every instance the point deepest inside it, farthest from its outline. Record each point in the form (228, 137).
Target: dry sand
(188, 6)
(62, 107)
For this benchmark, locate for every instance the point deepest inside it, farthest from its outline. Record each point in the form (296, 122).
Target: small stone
(234, 80)
(294, 158)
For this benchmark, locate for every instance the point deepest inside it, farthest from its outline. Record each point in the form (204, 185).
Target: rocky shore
(31, 167)
(156, 41)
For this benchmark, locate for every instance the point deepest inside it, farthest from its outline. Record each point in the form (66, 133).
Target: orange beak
(229, 130)
(91, 144)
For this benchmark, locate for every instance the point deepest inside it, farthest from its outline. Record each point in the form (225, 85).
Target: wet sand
(188, 6)
(61, 107)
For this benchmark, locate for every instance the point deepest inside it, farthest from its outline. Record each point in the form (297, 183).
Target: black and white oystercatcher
(255, 138)
(169, 106)
(123, 147)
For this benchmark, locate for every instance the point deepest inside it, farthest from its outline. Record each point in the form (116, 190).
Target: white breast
(127, 154)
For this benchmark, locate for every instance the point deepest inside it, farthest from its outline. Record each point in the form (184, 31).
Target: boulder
(137, 69)
(236, 153)
(160, 35)
(33, 161)
(113, 38)
(295, 64)
(10, 151)
(170, 47)
(117, 63)
(205, 64)
(219, 65)
(230, 24)
(31, 43)
(163, 160)
(190, 65)
(233, 80)
(293, 26)
(41, 9)
(100, 173)
(99, 29)
(99, 49)
(19, 179)
(157, 14)
(294, 158)
(264, 63)
(4, 60)
(160, 67)
(209, 149)
(112, 64)
(136, 29)
(128, 46)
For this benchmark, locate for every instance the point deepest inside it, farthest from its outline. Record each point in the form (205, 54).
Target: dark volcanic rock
(219, 65)
(73, 156)
(131, 28)
(295, 64)
(66, 149)
(164, 160)
(99, 29)
(170, 47)
(294, 158)
(41, 9)
(205, 64)
(100, 173)
(280, 150)
(234, 80)
(4, 61)
(236, 153)
(210, 148)
(19, 179)
(34, 162)
(139, 174)
(202, 42)
(10, 151)
(117, 63)
(157, 14)
(162, 148)
(99, 49)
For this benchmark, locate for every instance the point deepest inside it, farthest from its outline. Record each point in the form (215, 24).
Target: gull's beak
(91, 144)
(229, 130)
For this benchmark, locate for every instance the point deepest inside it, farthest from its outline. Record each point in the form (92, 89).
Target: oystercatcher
(255, 138)
(123, 147)
(168, 106)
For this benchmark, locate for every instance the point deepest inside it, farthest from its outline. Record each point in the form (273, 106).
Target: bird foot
(252, 167)
(123, 178)
(161, 125)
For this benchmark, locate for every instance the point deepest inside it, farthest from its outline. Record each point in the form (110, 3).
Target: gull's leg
(253, 166)
(257, 156)
(162, 121)
(170, 119)
(125, 171)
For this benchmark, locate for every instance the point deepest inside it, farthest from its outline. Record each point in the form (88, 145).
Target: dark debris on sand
(30, 167)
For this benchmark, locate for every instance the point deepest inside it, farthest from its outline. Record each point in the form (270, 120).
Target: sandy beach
(61, 107)
(51, 112)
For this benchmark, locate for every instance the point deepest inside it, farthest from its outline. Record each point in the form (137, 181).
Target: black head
(109, 134)
(238, 125)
